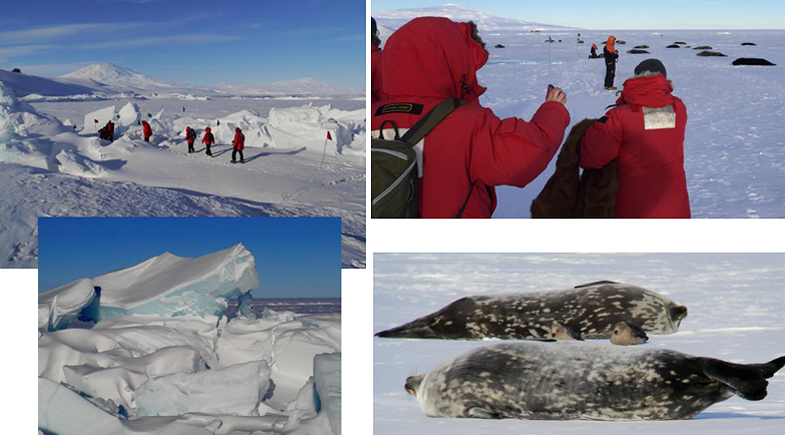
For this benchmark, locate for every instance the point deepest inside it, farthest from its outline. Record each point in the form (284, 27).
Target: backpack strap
(431, 119)
(395, 128)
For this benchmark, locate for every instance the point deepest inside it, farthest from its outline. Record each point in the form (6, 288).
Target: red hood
(652, 91)
(433, 57)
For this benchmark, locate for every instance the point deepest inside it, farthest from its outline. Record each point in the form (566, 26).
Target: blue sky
(192, 41)
(624, 15)
(295, 257)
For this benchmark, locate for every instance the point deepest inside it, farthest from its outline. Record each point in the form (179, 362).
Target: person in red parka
(646, 132)
(376, 60)
(238, 144)
(471, 150)
(190, 135)
(208, 140)
(110, 131)
(147, 131)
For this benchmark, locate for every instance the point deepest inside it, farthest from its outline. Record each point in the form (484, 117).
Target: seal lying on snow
(566, 380)
(590, 310)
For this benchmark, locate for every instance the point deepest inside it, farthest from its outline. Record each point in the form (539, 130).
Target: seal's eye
(616, 331)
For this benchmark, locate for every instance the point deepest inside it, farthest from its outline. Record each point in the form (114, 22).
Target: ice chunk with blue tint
(244, 309)
(327, 379)
(60, 305)
(168, 285)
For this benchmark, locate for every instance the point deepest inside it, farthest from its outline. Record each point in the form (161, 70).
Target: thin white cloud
(311, 30)
(21, 50)
(43, 34)
(360, 37)
(195, 38)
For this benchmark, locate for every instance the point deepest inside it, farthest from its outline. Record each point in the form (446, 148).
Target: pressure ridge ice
(166, 285)
(162, 357)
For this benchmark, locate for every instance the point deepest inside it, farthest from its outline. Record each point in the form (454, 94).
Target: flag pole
(325, 150)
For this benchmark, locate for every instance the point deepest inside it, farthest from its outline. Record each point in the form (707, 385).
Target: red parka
(646, 133)
(239, 140)
(429, 60)
(146, 130)
(208, 138)
(376, 74)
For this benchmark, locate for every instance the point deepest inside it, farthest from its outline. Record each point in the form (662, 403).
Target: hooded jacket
(376, 74)
(610, 52)
(239, 140)
(431, 59)
(646, 132)
(146, 130)
(190, 135)
(208, 138)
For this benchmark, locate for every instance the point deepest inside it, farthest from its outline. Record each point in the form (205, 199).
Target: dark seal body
(568, 380)
(591, 310)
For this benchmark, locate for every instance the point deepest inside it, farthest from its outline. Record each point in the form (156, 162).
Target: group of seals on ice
(569, 380)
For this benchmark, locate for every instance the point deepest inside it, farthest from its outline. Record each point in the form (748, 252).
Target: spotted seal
(590, 310)
(570, 380)
(625, 334)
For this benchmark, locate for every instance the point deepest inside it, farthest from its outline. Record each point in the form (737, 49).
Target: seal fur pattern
(566, 380)
(591, 310)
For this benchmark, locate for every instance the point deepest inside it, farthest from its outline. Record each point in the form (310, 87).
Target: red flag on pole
(96, 121)
(328, 136)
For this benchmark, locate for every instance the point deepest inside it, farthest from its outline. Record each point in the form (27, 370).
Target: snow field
(283, 174)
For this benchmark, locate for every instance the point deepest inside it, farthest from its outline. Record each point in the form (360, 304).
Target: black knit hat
(652, 65)
(373, 26)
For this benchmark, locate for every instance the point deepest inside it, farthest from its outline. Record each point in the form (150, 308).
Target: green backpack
(394, 174)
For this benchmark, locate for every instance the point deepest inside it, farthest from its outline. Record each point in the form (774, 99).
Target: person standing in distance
(611, 56)
(208, 140)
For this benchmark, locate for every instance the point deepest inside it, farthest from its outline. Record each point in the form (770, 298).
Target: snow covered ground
(735, 304)
(177, 370)
(734, 148)
(51, 169)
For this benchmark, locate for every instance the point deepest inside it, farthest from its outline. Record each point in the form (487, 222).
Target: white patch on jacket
(657, 118)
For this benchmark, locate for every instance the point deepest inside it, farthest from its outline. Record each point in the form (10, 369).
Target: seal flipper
(747, 381)
(482, 413)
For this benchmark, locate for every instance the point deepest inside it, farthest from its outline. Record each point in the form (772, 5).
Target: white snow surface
(201, 375)
(735, 304)
(48, 168)
(734, 148)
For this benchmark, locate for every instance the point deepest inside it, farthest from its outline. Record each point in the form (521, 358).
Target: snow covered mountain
(487, 23)
(106, 79)
(127, 79)
(26, 84)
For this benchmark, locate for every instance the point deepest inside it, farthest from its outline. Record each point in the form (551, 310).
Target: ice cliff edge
(165, 285)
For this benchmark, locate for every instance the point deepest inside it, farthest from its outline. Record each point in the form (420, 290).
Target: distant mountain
(486, 23)
(128, 79)
(303, 86)
(26, 84)
(109, 79)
